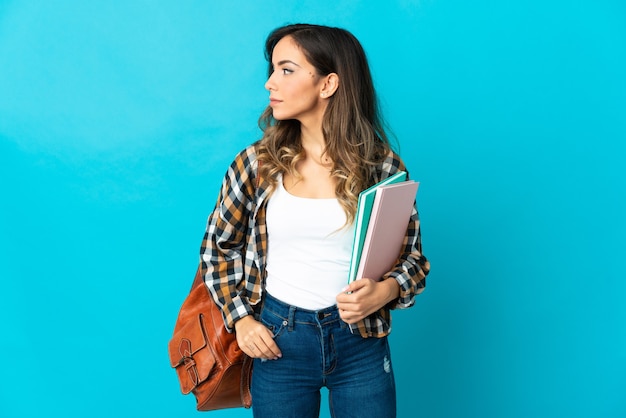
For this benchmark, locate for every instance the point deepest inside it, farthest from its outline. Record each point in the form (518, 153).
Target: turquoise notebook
(362, 219)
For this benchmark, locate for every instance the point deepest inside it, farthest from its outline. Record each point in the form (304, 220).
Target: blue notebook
(362, 219)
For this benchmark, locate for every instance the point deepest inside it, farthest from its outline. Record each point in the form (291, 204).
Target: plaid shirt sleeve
(410, 270)
(224, 245)
(412, 267)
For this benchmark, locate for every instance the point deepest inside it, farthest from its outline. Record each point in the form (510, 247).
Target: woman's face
(294, 85)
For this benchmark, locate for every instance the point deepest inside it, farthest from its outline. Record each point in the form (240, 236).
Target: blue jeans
(319, 350)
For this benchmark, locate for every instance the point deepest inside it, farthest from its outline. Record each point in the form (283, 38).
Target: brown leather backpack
(207, 359)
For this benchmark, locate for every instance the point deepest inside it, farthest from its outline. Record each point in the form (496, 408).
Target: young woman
(277, 249)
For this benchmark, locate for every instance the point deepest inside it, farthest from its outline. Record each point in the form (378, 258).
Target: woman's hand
(365, 296)
(255, 339)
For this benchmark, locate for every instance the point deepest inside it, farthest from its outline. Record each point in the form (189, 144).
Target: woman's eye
(286, 71)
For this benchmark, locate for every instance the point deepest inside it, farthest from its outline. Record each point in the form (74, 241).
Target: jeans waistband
(294, 314)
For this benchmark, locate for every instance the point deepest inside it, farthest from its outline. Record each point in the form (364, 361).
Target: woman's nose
(269, 84)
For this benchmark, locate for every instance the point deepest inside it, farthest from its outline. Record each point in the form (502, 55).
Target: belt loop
(292, 314)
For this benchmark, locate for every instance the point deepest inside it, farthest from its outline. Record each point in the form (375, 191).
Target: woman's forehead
(288, 49)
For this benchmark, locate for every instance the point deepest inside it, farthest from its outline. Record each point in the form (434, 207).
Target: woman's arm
(398, 287)
(223, 257)
(402, 283)
(364, 297)
(224, 244)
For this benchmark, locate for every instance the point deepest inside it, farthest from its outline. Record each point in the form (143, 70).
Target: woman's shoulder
(248, 155)
(391, 164)
(245, 160)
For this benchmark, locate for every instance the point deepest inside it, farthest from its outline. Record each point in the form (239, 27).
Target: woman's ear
(330, 85)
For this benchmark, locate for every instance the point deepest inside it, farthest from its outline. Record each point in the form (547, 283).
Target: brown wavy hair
(352, 125)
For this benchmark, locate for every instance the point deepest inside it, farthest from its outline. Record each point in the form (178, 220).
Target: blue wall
(118, 119)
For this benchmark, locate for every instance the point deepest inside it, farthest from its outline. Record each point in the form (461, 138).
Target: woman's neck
(311, 135)
(312, 141)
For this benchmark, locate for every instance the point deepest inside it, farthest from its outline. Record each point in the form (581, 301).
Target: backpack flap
(190, 354)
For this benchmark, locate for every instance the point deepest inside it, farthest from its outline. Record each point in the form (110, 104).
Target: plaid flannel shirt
(234, 248)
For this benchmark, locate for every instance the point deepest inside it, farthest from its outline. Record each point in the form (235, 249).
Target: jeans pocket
(275, 323)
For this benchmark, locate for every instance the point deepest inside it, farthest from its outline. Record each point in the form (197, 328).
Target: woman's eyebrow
(282, 62)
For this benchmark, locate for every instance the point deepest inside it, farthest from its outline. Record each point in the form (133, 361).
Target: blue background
(118, 120)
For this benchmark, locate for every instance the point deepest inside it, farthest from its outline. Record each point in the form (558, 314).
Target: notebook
(389, 219)
(364, 209)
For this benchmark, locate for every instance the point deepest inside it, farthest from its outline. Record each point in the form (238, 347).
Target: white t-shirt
(308, 250)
